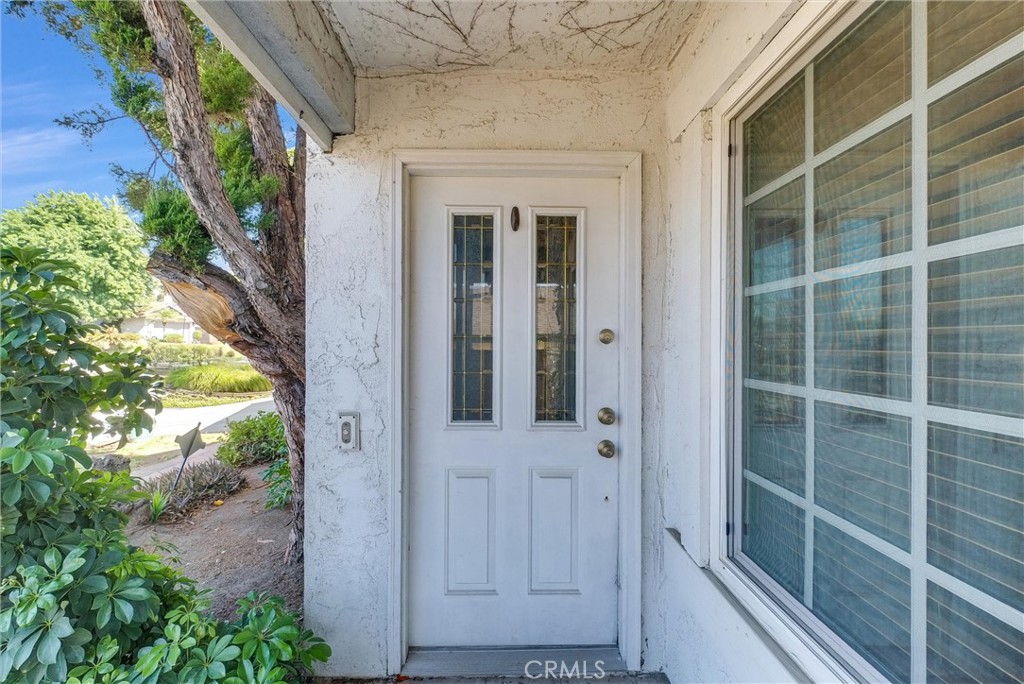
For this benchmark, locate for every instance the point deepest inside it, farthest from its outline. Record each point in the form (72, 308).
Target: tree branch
(299, 159)
(284, 246)
(215, 299)
(174, 60)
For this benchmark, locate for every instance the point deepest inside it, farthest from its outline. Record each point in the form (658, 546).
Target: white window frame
(807, 33)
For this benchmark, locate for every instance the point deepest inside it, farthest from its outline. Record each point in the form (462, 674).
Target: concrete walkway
(211, 419)
(151, 470)
(176, 421)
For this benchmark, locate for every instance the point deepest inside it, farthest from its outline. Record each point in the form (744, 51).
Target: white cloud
(26, 150)
(29, 97)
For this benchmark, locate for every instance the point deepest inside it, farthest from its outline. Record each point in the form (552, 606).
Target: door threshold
(527, 662)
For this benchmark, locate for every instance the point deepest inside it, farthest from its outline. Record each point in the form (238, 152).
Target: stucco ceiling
(386, 37)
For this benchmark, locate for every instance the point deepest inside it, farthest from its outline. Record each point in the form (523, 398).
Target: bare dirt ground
(232, 549)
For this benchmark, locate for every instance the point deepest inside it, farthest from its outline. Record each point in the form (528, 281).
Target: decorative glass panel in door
(472, 318)
(555, 319)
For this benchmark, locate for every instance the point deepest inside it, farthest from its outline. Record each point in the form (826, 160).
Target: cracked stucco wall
(690, 628)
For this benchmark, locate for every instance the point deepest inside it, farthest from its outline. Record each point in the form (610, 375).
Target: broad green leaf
(319, 652)
(52, 558)
(123, 610)
(103, 614)
(135, 594)
(25, 647)
(216, 670)
(12, 491)
(94, 584)
(49, 646)
(39, 489)
(43, 461)
(21, 460)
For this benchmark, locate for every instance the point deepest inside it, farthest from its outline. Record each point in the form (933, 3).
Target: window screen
(880, 490)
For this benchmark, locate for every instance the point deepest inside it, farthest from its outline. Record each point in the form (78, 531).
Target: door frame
(626, 168)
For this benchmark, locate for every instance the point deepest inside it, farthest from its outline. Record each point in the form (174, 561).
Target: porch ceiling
(427, 36)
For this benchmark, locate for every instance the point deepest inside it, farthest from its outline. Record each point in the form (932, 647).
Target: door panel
(513, 514)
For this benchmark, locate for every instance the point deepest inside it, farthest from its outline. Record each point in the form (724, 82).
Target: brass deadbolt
(606, 448)
(606, 336)
(606, 416)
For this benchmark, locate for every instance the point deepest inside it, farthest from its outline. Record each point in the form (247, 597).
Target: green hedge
(217, 378)
(170, 352)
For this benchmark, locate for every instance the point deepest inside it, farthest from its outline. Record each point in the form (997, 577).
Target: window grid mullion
(808, 278)
(919, 343)
(972, 420)
(986, 242)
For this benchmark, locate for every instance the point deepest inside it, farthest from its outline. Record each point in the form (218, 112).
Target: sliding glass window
(879, 488)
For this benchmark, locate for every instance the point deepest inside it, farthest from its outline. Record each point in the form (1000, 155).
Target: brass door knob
(606, 336)
(606, 448)
(606, 416)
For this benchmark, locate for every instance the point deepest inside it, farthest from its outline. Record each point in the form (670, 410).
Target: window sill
(807, 655)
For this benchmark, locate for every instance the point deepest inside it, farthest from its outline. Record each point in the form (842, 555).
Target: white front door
(513, 516)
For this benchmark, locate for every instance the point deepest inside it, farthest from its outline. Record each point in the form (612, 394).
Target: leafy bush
(173, 338)
(279, 483)
(197, 335)
(257, 439)
(194, 354)
(53, 378)
(78, 603)
(200, 484)
(218, 378)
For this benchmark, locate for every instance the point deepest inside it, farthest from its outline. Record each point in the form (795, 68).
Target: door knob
(606, 416)
(606, 448)
(606, 336)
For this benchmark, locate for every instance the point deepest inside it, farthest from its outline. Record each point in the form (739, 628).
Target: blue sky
(43, 78)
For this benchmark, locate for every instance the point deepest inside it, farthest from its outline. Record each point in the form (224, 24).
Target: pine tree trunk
(265, 288)
(290, 398)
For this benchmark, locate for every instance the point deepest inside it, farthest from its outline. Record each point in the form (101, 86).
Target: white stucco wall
(694, 630)
(691, 629)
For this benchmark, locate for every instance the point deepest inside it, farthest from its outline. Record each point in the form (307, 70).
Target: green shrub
(78, 603)
(218, 378)
(257, 439)
(279, 483)
(193, 354)
(200, 484)
(173, 338)
(53, 378)
(197, 335)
